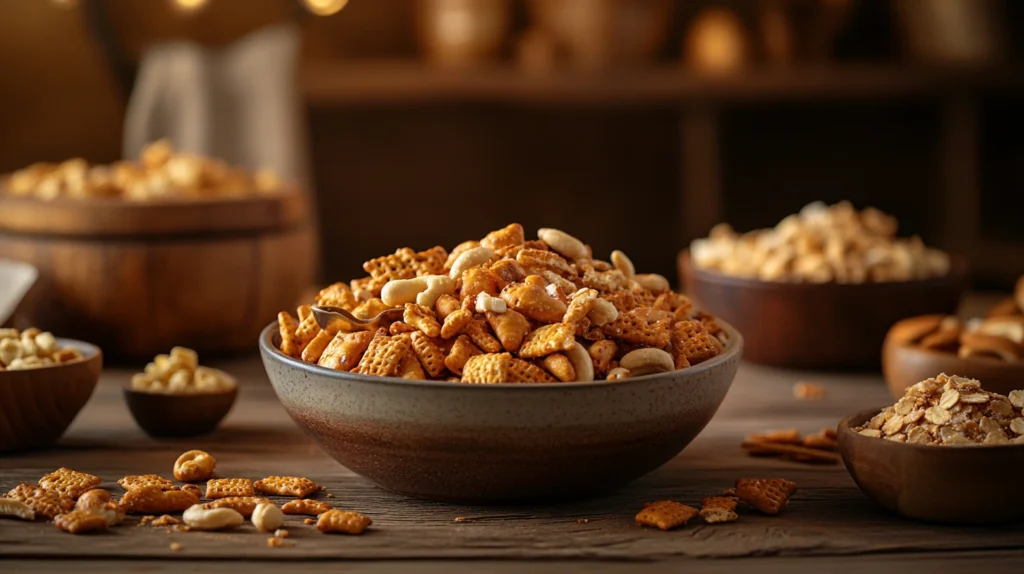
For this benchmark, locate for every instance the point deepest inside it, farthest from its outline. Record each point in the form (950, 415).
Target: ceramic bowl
(935, 483)
(818, 325)
(163, 415)
(500, 443)
(38, 405)
(904, 365)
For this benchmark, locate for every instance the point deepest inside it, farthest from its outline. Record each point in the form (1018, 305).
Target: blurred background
(633, 124)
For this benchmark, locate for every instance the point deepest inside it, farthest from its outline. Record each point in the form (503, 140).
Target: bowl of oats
(822, 287)
(177, 397)
(44, 383)
(947, 451)
(515, 370)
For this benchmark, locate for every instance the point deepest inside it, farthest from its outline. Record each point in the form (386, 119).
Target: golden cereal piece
(345, 350)
(410, 368)
(487, 369)
(509, 271)
(582, 303)
(244, 505)
(225, 487)
(343, 522)
(520, 371)
(461, 351)
(480, 334)
(691, 344)
(558, 365)
(287, 325)
(641, 326)
(337, 295)
(430, 355)
(315, 349)
(69, 483)
(603, 353)
(308, 328)
(446, 305)
(42, 502)
(384, 355)
(511, 327)
(768, 495)
(80, 522)
(194, 466)
(604, 281)
(665, 515)
(533, 301)
(296, 486)
(548, 339)
(455, 322)
(726, 502)
(422, 318)
(509, 235)
(155, 500)
(16, 509)
(306, 506)
(476, 280)
(406, 264)
(399, 327)
(718, 515)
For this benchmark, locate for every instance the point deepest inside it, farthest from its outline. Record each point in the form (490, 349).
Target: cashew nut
(647, 361)
(581, 362)
(199, 518)
(652, 281)
(485, 302)
(563, 243)
(603, 312)
(469, 259)
(16, 508)
(398, 292)
(623, 264)
(267, 517)
(437, 285)
(617, 374)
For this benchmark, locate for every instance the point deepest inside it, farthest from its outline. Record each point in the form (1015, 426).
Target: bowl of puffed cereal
(44, 382)
(177, 397)
(517, 370)
(822, 287)
(947, 451)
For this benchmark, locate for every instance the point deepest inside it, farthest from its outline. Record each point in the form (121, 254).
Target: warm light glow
(325, 7)
(189, 5)
(67, 4)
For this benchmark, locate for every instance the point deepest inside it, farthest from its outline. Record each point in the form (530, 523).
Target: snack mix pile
(160, 173)
(32, 349)
(950, 411)
(507, 310)
(179, 373)
(76, 504)
(999, 336)
(821, 244)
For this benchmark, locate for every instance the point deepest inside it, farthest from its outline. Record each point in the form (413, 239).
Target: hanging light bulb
(188, 5)
(325, 7)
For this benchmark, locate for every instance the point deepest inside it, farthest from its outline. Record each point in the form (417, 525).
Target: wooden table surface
(829, 524)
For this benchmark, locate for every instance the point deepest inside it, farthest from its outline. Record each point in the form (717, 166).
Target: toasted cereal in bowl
(505, 309)
(33, 349)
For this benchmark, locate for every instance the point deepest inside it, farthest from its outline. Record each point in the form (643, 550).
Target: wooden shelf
(361, 82)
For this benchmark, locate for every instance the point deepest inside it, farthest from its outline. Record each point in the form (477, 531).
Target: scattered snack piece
(138, 481)
(808, 391)
(32, 349)
(69, 483)
(156, 500)
(306, 506)
(99, 501)
(225, 487)
(275, 542)
(176, 547)
(767, 495)
(309, 521)
(582, 520)
(146, 520)
(193, 490)
(267, 517)
(726, 502)
(179, 373)
(296, 486)
(281, 533)
(950, 411)
(165, 520)
(194, 466)
(718, 515)
(244, 505)
(665, 515)
(16, 509)
(343, 522)
(460, 519)
(199, 518)
(43, 503)
(80, 522)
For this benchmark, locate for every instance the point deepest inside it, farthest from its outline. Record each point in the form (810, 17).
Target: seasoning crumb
(176, 547)
(146, 520)
(281, 533)
(582, 521)
(329, 495)
(808, 391)
(460, 519)
(180, 528)
(165, 520)
(309, 521)
(275, 542)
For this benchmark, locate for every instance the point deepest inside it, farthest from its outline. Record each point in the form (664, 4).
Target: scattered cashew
(563, 243)
(623, 264)
(485, 302)
(469, 259)
(267, 517)
(603, 312)
(199, 518)
(16, 508)
(617, 374)
(652, 281)
(437, 285)
(647, 361)
(398, 292)
(581, 362)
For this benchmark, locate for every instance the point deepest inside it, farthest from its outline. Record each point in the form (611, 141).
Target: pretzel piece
(548, 339)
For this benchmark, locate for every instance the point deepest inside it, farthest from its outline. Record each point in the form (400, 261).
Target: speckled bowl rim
(733, 350)
(859, 441)
(89, 352)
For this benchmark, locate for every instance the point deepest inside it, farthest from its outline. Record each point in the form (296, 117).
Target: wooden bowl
(904, 365)
(179, 416)
(38, 405)
(935, 483)
(138, 278)
(500, 443)
(818, 325)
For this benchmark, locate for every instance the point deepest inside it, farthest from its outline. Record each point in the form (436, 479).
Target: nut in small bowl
(176, 397)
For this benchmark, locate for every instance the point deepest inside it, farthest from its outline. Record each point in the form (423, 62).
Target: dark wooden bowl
(179, 416)
(38, 405)
(967, 485)
(818, 325)
(904, 365)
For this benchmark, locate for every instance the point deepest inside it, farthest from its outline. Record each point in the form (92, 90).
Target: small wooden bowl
(967, 485)
(904, 365)
(816, 325)
(179, 416)
(38, 405)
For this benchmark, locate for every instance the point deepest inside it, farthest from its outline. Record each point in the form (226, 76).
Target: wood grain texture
(828, 517)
